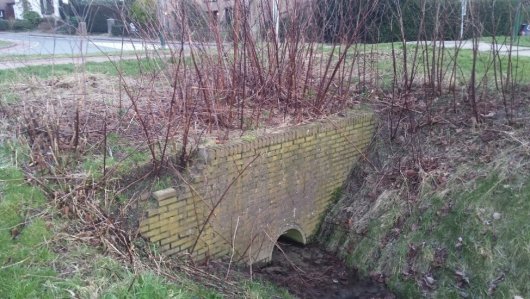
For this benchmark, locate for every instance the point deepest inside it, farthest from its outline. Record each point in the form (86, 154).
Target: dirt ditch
(311, 272)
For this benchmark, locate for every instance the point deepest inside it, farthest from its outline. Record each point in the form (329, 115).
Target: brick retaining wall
(290, 180)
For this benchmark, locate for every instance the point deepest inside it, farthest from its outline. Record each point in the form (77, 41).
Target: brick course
(288, 185)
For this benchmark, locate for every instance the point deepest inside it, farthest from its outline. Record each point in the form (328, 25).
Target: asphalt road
(31, 43)
(27, 43)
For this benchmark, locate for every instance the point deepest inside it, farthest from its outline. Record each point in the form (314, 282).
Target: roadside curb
(93, 38)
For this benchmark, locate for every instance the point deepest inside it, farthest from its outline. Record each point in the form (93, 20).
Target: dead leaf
(15, 232)
(462, 280)
(66, 211)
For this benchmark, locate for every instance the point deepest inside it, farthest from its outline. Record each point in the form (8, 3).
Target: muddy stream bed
(311, 272)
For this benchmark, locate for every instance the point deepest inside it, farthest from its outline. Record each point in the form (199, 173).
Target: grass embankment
(462, 230)
(472, 241)
(43, 255)
(456, 226)
(5, 44)
(488, 68)
(26, 57)
(521, 41)
(38, 259)
(126, 67)
(422, 256)
(376, 64)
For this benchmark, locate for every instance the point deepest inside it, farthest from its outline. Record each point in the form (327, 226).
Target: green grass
(485, 68)
(521, 41)
(24, 254)
(26, 57)
(491, 248)
(5, 44)
(381, 48)
(382, 65)
(124, 159)
(126, 67)
(8, 97)
(38, 260)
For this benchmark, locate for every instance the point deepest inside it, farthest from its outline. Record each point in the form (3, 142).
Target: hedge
(336, 18)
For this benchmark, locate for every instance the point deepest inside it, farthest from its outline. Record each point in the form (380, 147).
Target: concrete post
(517, 21)
(110, 23)
(462, 17)
(81, 29)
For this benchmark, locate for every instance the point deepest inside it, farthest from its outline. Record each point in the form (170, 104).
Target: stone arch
(292, 232)
(295, 234)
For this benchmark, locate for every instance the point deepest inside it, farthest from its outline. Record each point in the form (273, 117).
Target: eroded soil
(310, 272)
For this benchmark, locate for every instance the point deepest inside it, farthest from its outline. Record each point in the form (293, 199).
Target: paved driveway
(39, 44)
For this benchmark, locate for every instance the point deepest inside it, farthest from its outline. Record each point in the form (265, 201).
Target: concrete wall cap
(164, 194)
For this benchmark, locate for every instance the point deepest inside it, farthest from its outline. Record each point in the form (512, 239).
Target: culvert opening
(308, 271)
(292, 236)
(284, 245)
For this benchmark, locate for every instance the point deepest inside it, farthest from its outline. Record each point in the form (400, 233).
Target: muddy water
(310, 272)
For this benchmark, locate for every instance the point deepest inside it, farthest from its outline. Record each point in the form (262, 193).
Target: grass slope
(39, 259)
(5, 44)
(126, 67)
(465, 250)
(521, 41)
(469, 238)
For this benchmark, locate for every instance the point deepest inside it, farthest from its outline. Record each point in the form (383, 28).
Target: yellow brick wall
(288, 184)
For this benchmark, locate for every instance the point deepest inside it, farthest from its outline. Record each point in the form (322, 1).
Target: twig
(233, 248)
(14, 264)
(220, 200)
(285, 255)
